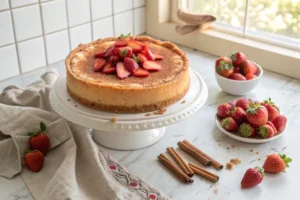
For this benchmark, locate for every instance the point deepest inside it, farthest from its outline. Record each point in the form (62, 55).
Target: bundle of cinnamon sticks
(189, 169)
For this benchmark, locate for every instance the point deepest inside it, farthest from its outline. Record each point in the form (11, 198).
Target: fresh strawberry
(136, 46)
(109, 51)
(248, 67)
(99, 63)
(100, 54)
(146, 52)
(257, 114)
(232, 103)
(123, 52)
(39, 140)
(151, 65)
(243, 103)
(223, 110)
(250, 76)
(224, 67)
(122, 72)
(109, 69)
(274, 128)
(237, 76)
(142, 58)
(34, 160)
(273, 110)
(114, 60)
(121, 43)
(246, 130)
(158, 57)
(236, 70)
(276, 163)
(252, 177)
(237, 59)
(140, 72)
(238, 114)
(266, 131)
(130, 64)
(280, 123)
(229, 124)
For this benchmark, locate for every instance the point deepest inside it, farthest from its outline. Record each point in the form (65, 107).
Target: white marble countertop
(201, 130)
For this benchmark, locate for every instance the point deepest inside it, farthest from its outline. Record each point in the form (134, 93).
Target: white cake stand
(130, 131)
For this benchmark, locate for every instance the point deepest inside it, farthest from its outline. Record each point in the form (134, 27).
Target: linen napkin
(74, 168)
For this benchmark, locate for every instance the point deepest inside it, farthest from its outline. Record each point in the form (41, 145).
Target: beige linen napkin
(74, 168)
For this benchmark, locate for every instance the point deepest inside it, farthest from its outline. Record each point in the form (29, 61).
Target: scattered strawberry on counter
(252, 177)
(127, 57)
(237, 67)
(251, 118)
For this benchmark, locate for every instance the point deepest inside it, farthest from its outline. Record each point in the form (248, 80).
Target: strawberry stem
(285, 159)
(260, 170)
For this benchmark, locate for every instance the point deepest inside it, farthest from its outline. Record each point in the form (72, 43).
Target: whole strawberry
(237, 59)
(229, 124)
(246, 130)
(237, 76)
(266, 131)
(224, 67)
(273, 110)
(248, 68)
(274, 128)
(34, 160)
(238, 114)
(252, 177)
(257, 115)
(243, 103)
(280, 123)
(223, 110)
(276, 163)
(39, 140)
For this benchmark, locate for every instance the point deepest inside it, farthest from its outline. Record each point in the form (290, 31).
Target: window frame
(161, 20)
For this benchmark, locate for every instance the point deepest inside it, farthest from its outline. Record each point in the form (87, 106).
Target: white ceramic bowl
(239, 88)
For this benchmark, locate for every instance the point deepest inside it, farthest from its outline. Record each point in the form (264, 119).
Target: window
(272, 21)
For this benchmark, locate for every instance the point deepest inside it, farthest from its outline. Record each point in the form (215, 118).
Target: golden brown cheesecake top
(81, 60)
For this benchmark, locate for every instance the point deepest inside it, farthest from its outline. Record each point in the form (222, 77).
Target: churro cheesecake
(127, 74)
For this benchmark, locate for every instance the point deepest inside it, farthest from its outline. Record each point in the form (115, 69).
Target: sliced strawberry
(122, 72)
(121, 43)
(109, 51)
(142, 58)
(140, 72)
(109, 69)
(99, 63)
(157, 56)
(130, 64)
(149, 55)
(151, 65)
(123, 52)
(114, 59)
(136, 46)
(100, 54)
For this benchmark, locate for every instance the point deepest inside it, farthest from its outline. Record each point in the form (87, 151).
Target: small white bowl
(239, 88)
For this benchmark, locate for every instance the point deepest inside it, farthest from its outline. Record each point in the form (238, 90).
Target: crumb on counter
(229, 165)
(75, 105)
(183, 102)
(216, 191)
(233, 146)
(69, 99)
(257, 152)
(251, 150)
(258, 159)
(228, 148)
(235, 161)
(113, 120)
(148, 114)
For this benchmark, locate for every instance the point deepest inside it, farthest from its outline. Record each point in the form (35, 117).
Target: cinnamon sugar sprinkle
(113, 120)
(160, 112)
(251, 150)
(235, 161)
(229, 165)
(148, 114)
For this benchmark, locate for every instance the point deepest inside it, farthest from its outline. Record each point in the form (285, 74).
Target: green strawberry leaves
(42, 126)
(136, 58)
(224, 66)
(123, 52)
(260, 170)
(269, 101)
(285, 159)
(42, 129)
(124, 36)
(252, 108)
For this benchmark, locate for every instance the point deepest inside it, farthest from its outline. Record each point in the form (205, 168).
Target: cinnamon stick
(172, 167)
(204, 173)
(194, 153)
(179, 160)
(214, 163)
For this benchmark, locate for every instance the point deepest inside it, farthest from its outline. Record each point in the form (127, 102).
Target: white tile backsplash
(54, 12)
(32, 54)
(6, 33)
(35, 33)
(9, 62)
(27, 22)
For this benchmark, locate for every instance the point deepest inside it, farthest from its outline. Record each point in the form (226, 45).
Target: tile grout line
(68, 24)
(43, 31)
(91, 20)
(113, 17)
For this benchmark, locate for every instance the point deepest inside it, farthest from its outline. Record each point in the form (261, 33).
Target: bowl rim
(243, 81)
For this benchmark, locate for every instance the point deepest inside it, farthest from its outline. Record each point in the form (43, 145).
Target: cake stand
(130, 131)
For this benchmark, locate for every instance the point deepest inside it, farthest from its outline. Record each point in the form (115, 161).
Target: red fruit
(224, 67)
(109, 69)
(246, 130)
(248, 67)
(40, 142)
(109, 51)
(266, 131)
(136, 46)
(219, 60)
(34, 160)
(114, 59)
(273, 110)
(140, 72)
(130, 64)
(157, 56)
(237, 59)
(121, 43)
(243, 103)
(238, 114)
(142, 58)
(250, 76)
(280, 123)
(274, 128)
(151, 65)
(252, 177)
(229, 124)
(236, 70)
(123, 52)
(122, 72)
(276, 163)
(99, 63)
(257, 115)
(223, 110)
(149, 55)
(237, 76)
(100, 54)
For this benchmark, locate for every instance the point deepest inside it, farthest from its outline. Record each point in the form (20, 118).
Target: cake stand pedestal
(130, 131)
